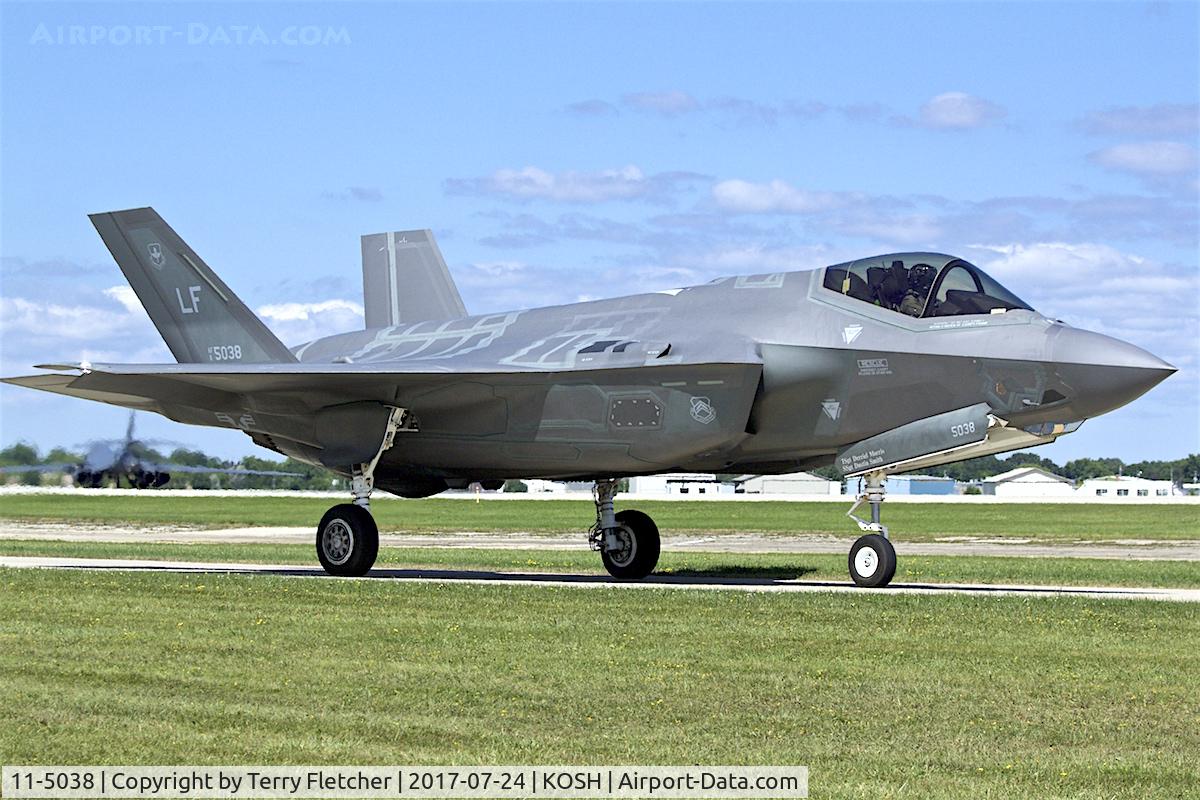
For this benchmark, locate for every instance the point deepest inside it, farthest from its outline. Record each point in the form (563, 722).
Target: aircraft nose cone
(1105, 373)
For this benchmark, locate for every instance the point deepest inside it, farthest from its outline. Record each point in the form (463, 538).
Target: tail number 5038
(965, 429)
(225, 352)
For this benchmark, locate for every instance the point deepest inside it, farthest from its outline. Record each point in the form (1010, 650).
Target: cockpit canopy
(922, 285)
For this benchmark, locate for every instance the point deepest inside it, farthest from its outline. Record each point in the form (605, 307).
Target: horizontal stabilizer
(406, 280)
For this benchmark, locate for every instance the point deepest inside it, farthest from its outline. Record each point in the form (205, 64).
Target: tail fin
(405, 280)
(199, 317)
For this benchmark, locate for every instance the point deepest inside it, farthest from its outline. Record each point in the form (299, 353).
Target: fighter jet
(881, 365)
(125, 459)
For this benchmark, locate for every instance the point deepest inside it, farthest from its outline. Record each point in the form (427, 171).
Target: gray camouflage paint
(762, 373)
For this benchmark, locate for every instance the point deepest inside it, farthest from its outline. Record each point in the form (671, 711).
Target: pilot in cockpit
(920, 280)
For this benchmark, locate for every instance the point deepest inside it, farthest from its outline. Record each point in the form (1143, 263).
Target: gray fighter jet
(881, 365)
(126, 459)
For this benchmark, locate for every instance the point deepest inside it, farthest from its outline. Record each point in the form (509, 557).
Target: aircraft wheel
(347, 540)
(637, 548)
(872, 561)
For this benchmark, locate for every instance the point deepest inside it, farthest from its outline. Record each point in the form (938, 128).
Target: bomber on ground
(129, 459)
(880, 365)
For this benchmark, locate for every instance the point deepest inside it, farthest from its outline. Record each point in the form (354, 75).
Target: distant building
(692, 484)
(911, 484)
(1028, 481)
(539, 486)
(795, 483)
(1125, 487)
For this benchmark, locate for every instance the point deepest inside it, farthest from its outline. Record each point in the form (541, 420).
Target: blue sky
(573, 151)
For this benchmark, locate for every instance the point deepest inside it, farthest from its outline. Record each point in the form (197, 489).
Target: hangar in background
(1028, 481)
(1125, 487)
(679, 483)
(921, 484)
(794, 483)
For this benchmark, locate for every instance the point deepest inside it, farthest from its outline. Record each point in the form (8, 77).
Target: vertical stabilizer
(405, 280)
(198, 316)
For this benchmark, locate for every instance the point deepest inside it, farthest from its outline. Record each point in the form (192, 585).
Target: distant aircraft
(117, 459)
(881, 365)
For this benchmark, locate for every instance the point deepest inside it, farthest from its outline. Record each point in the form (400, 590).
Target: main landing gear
(872, 558)
(628, 541)
(348, 538)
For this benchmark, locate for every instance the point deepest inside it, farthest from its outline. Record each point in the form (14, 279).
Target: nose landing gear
(872, 558)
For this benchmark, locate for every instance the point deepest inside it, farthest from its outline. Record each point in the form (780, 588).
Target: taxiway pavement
(1125, 549)
(662, 582)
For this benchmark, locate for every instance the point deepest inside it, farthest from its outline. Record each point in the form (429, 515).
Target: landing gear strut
(872, 558)
(348, 538)
(628, 541)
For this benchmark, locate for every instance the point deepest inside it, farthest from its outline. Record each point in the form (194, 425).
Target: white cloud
(491, 286)
(572, 186)
(126, 297)
(490, 273)
(35, 331)
(1057, 263)
(363, 194)
(907, 230)
(850, 213)
(774, 197)
(959, 111)
(592, 108)
(1164, 119)
(670, 104)
(757, 257)
(752, 112)
(1148, 159)
(1098, 287)
(295, 323)
(21, 316)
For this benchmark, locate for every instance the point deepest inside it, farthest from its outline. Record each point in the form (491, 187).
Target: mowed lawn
(914, 522)
(882, 696)
(773, 566)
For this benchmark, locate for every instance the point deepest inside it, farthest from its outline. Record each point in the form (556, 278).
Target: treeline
(1181, 470)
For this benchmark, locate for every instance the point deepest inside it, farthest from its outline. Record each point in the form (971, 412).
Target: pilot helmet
(920, 277)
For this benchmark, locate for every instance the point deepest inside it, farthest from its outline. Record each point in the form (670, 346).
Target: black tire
(347, 540)
(872, 561)
(639, 555)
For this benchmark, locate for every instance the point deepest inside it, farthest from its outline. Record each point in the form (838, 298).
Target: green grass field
(779, 566)
(911, 522)
(882, 696)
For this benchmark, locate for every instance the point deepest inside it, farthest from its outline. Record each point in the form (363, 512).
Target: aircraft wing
(36, 468)
(191, 470)
(142, 385)
(334, 412)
